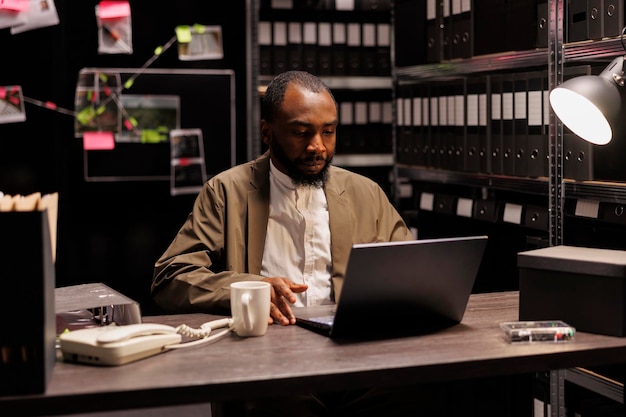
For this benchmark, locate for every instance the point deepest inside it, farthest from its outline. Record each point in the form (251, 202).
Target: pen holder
(27, 340)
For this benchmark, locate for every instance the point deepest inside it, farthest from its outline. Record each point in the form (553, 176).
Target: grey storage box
(585, 287)
(91, 305)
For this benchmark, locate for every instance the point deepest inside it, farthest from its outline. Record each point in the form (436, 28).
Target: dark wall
(110, 232)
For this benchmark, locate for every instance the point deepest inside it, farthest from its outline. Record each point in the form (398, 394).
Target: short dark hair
(275, 93)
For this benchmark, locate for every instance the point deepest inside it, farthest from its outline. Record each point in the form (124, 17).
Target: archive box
(584, 287)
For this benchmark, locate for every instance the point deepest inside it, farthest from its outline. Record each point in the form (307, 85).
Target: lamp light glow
(591, 106)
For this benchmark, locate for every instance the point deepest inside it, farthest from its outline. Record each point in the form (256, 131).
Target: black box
(584, 287)
(27, 340)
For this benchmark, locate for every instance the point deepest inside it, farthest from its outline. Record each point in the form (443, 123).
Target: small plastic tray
(551, 331)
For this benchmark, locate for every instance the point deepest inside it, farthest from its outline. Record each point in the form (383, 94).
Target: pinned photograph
(11, 104)
(96, 102)
(149, 118)
(40, 14)
(199, 42)
(114, 27)
(13, 14)
(188, 171)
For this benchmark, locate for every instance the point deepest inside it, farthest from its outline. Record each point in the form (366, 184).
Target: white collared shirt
(297, 244)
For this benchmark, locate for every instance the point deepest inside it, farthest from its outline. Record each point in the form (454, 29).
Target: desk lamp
(591, 105)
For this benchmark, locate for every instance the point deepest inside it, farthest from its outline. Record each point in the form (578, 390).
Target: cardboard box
(584, 287)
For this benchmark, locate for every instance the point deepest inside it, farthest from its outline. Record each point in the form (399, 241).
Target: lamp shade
(591, 106)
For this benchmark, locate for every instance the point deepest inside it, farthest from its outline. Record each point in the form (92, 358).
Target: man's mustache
(313, 158)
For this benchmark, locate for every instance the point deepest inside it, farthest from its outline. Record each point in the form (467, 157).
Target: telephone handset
(118, 345)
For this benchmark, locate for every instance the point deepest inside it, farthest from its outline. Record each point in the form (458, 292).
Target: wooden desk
(289, 358)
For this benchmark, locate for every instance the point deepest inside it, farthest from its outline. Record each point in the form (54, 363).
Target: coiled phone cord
(204, 333)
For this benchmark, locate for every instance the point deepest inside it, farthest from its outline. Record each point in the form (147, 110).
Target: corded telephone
(118, 345)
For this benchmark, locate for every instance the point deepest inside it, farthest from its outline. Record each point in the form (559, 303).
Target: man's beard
(298, 178)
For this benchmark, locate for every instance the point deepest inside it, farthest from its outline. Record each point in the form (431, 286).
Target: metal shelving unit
(538, 186)
(603, 49)
(485, 63)
(555, 57)
(597, 383)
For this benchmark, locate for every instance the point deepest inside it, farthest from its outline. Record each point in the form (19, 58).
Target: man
(289, 218)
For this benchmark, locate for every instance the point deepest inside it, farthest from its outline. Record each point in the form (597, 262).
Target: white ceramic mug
(250, 307)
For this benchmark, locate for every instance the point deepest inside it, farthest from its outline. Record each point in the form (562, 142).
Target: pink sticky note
(3, 92)
(15, 5)
(114, 9)
(98, 141)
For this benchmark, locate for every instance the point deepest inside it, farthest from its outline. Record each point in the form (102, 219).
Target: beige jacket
(223, 237)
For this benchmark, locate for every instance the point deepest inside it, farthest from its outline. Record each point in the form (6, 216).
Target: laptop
(400, 288)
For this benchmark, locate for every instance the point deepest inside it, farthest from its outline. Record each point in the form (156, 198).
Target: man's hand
(283, 290)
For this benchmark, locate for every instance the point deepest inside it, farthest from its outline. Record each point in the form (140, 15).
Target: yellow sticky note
(199, 28)
(151, 136)
(183, 34)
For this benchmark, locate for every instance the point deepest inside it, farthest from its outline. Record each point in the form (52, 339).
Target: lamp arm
(619, 77)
